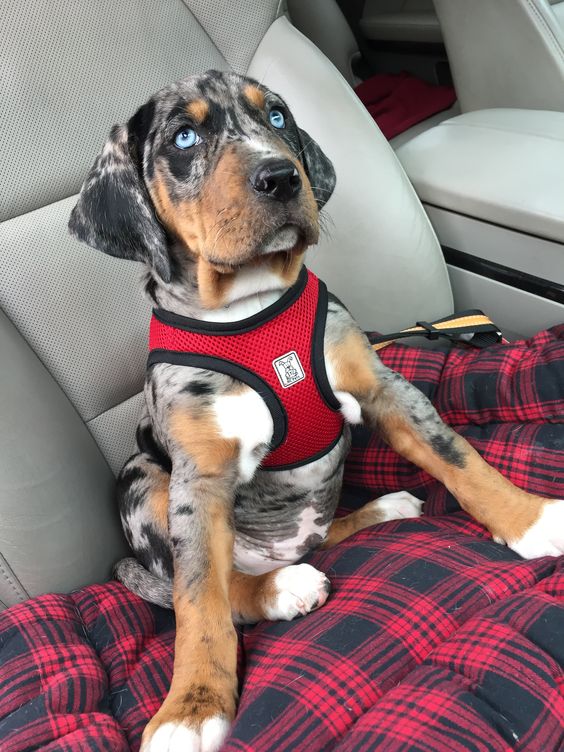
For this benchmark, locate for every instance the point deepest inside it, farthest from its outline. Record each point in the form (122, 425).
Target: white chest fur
(245, 417)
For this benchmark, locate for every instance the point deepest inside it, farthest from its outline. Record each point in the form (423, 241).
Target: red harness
(279, 353)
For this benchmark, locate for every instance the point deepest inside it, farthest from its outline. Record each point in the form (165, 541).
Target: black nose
(277, 178)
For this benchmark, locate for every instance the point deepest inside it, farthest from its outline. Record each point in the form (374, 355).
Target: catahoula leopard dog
(254, 376)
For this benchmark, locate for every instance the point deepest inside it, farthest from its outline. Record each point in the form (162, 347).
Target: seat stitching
(11, 582)
(543, 22)
(113, 407)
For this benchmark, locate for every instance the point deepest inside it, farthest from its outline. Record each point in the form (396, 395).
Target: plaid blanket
(435, 639)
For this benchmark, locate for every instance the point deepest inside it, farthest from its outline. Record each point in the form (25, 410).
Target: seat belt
(470, 327)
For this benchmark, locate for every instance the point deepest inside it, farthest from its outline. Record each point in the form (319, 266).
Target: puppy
(254, 376)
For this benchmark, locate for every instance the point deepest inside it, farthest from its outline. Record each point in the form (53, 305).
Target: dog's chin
(285, 242)
(285, 239)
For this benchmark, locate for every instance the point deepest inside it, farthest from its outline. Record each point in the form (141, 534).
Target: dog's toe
(172, 737)
(546, 536)
(178, 737)
(395, 506)
(298, 589)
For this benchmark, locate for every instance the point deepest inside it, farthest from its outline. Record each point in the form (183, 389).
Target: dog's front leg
(532, 526)
(200, 705)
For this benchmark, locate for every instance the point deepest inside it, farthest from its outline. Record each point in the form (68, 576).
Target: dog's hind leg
(279, 595)
(142, 495)
(393, 506)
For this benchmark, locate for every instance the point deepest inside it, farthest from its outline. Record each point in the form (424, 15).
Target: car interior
(462, 210)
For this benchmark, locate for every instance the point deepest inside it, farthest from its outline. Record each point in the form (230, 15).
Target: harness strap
(456, 328)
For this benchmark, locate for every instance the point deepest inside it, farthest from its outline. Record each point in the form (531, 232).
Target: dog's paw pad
(396, 506)
(299, 589)
(179, 737)
(546, 536)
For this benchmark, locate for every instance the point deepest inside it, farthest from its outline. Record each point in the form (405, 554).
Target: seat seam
(477, 126)
(40, 359)
(541, 21)
(58, 384)
(38, 208)
(113, 407)
(11, 581)
(206, 32)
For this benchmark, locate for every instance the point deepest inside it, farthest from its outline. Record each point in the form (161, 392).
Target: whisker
(304, 148)
(265, 73)
(324, 221)
(221, 232)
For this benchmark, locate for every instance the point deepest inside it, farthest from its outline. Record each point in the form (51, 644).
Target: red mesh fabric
(312, 425)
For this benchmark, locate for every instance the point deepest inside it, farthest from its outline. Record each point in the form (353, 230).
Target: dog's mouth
(285, 239)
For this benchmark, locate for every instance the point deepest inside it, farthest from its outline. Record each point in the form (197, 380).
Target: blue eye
(186, 138)
(277, 118)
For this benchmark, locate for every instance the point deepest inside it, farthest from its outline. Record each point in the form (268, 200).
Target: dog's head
(215, 166)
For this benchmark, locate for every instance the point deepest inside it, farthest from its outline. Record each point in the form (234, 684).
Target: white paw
(395, 506)
(178, 737)
(546, 536)
(301, 589)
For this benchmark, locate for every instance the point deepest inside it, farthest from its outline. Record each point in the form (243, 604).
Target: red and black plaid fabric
(435, 639)
(506, 400)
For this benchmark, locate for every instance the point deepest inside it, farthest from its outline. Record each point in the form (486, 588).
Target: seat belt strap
(472, 327)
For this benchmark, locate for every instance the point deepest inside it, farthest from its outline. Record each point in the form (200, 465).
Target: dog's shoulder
(188, 404)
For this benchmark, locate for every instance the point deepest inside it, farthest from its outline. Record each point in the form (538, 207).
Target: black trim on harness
(301, 463)
(219, 365)
(236, 327)
(317, 350)
(212, 363)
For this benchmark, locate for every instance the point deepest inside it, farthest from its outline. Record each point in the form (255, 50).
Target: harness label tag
(288, 369)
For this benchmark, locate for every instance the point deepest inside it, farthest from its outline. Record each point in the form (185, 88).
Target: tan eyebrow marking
(254, 95)
(198, 110)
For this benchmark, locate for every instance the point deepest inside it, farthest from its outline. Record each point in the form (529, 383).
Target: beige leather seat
(73, 324)
(323, 22)
(505, 53)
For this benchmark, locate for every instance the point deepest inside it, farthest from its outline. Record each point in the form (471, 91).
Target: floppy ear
(114, 213)
(318, 167)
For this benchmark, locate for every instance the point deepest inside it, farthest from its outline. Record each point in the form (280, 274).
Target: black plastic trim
(220, 365)
(317, 350)
(313, 457)
(427, 49)
(236, 327)
(543, 288)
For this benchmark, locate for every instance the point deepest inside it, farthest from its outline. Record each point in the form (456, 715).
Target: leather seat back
(505, 53)
(323, 22)
(74, 330)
